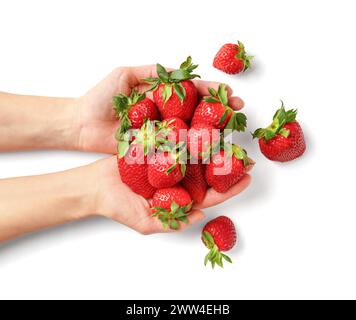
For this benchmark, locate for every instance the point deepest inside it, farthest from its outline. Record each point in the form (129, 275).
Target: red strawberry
(202, 139)
(194, 182)
(283, 140)
(171, 205)
(133, 171)
(164, 170)
(232, 59)
(219, 235)
(172, 129)
(174, 93)
(214, 110)
(227, 168)
(133, 111)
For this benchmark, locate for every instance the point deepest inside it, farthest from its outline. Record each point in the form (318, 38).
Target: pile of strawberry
(172, 149)
(167, 158)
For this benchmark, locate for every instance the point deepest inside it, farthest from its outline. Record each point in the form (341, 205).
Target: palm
(118, 202)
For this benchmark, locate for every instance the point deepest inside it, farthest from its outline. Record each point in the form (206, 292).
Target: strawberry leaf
(162, 73)
(284, 132)
(238, 122)
(259, 133)
(179, 75)
(171, 168)
(183, 168)
(223, 117)
(174, 207)
(167, 93)
(178, 92)
(174, 224)
(222, 94)
(122, 148)
(212, 92)
(211, 99)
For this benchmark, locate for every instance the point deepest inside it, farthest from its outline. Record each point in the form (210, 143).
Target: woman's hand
(116, 201)
(80, 193)
(95, 119)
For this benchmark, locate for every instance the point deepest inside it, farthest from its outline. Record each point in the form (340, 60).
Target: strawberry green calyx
(171, 218)
(172, 80)
(122, 105)
(164, 128)
(179, 152)
(238, 152)
(215, 256)
(280, 119)
(241, 55)
(144, 136)
(238, 120)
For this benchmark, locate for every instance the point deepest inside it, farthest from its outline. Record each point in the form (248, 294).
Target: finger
(203, 86)
(214, 198)
(236, 103)
(141, 72)
(251, 165)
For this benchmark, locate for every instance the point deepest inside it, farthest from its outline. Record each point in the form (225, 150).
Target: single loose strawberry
(232, 59)
(202, 139)
(172, 129)
(134, 171)
(133, 111)
(215, 111)
(226, 168)
(165, 169)
(173, 92)
(171, 205)
(283, 140)
(219, 235)
(194, 182)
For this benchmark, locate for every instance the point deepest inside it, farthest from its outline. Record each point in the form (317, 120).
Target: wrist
(66, 126)
(81, 191)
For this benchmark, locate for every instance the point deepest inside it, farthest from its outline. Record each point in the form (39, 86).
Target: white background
(297, 221)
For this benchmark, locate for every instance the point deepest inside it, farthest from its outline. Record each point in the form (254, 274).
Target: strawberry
(194, 182)
(173, 92)
(214, 110)
(134, 171)
(133, 111)
(171, 205)
(164, 169)
(202, 139)
(232, 59)
(226, 168)
(283, 140)
(172, 129)
(219, 235)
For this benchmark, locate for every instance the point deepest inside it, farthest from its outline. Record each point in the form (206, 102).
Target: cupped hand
(95, 118)
(116, 201)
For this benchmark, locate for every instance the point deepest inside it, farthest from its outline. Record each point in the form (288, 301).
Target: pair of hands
(96, 124)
